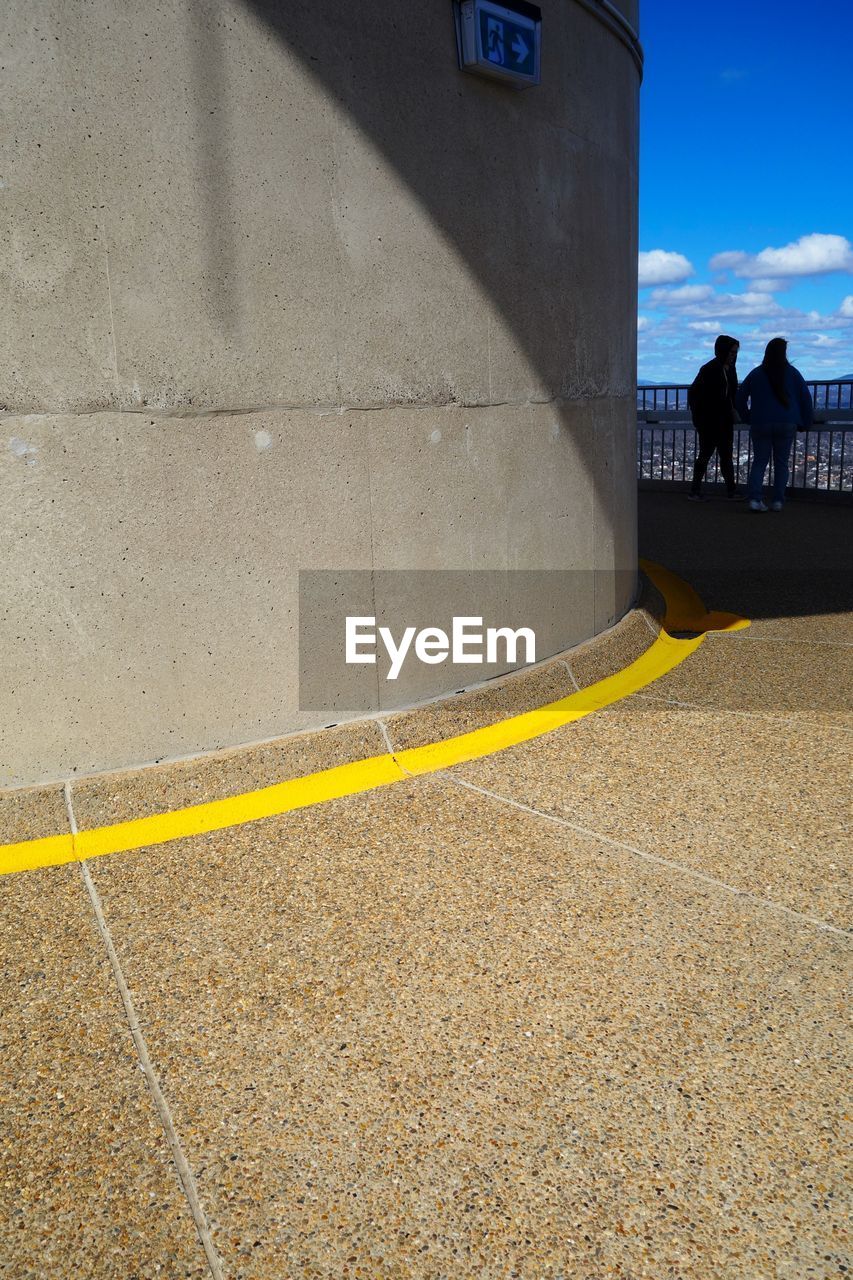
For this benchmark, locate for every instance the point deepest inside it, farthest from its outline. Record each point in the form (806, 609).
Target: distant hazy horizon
(673, 382)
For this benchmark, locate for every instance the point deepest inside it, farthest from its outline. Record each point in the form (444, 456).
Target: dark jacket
(711, 398)
(759, 407)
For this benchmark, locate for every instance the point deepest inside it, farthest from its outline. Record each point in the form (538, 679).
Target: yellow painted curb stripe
(664, 654)
(684, 609)
(50, 851)
(380, 771)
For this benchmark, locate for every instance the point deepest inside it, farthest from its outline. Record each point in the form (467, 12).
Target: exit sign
(499, 41)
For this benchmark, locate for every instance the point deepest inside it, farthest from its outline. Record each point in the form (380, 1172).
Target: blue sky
(746, 184)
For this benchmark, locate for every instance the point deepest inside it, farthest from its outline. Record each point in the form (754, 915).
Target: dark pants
(711, 439)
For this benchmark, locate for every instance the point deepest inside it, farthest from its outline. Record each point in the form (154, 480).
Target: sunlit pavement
(574, 1010)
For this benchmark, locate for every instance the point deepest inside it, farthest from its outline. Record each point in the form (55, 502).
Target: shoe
(734, 496)
(755, 504)
(696, 497)
(776, 506)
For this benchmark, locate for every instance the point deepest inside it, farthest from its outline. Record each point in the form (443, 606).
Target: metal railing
(822, 457)
(828, 397)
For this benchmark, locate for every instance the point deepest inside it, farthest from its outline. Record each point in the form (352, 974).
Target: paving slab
(88, 1184)
(817, 628)
(758, 804)
(813, 683)
(420, 1033)
(32, 813)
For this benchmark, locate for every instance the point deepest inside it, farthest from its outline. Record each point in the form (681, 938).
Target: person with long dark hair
(776, 402)
(711, 400)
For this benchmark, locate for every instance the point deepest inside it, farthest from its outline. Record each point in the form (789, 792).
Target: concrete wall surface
(284, 289)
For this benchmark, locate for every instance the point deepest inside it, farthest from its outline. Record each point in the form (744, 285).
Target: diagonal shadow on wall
(535, 191)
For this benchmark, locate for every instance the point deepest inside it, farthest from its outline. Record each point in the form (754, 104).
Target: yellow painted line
(50, 851)
(684, 609)
(666, 652)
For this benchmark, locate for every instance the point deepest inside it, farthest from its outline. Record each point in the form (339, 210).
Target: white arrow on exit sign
(519, 48)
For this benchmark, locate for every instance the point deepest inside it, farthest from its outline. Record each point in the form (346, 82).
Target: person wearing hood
(711, 400)
(776, 402)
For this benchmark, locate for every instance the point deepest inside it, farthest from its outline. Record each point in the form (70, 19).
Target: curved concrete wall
(287, 290)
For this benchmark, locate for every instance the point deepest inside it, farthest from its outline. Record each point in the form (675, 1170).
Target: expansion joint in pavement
(733, 711)
(669, 863)
(571, 674)
(184, 1172)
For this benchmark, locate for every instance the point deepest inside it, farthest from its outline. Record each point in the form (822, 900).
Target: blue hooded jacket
(764, 410)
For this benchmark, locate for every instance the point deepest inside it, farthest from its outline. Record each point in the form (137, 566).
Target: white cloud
(705, 303)
(811, 255)
(681, 297)
(659, 266)
(682, 339)
(748, 304)
(677, 330)
(728, 261)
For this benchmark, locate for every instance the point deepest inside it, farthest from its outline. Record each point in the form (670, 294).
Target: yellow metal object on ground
(684, 609)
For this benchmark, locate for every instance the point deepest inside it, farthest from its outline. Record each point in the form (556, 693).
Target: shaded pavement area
(572, 1011)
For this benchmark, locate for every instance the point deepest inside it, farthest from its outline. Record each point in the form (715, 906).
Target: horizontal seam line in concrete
(320, 408)
(656, 859)
(182, 1166)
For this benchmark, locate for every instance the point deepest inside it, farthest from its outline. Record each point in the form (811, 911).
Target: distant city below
(822, 460)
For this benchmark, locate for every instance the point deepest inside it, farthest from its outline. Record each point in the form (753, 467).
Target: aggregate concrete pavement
(572, 1010)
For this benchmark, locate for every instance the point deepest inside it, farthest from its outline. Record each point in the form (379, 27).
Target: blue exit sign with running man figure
(500, 41)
